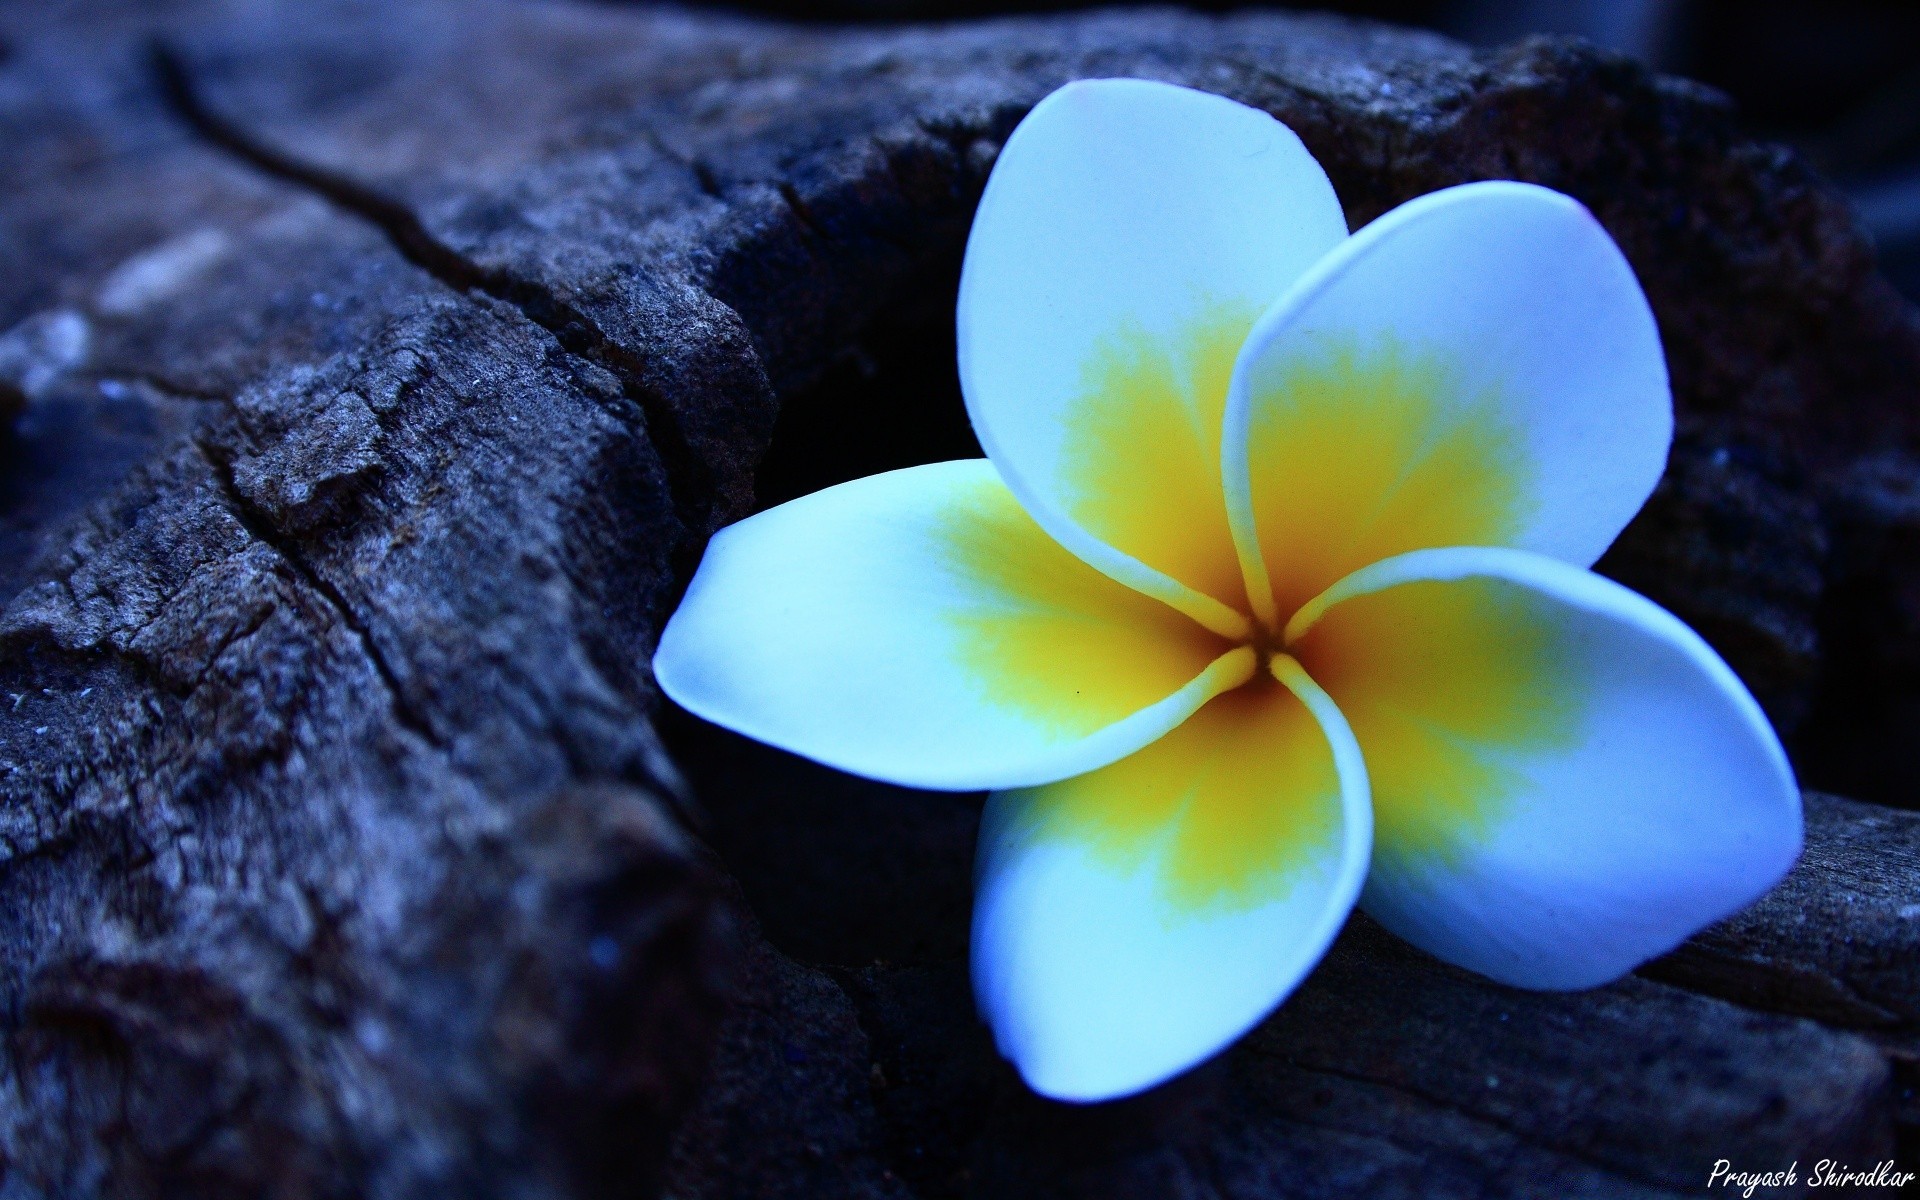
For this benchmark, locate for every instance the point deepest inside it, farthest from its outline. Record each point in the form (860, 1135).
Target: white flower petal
(1129, 236)
(918, 627)
(1131, 922)
(1477, 367)
(1567, 781)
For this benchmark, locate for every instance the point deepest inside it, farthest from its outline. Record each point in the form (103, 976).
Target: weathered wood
(1838, 940)
(337, 856)
(1387, 1074)
(625, 175)
(383, 369)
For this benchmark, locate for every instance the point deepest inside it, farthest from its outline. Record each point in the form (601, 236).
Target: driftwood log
(374, 375)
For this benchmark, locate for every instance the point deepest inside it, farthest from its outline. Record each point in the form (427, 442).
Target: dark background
(1839, 80)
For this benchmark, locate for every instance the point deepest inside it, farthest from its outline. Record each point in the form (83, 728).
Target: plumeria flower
(1270, 597)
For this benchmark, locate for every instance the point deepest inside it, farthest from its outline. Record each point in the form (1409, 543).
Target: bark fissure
(259, 526)
(689, 480)
(702, 172)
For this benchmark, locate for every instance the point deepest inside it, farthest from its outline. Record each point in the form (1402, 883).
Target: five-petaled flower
(1273, 584)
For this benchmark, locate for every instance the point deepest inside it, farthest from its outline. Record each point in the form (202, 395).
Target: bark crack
(801, 211)
(690, 483)
(260, 527)
(709, 183)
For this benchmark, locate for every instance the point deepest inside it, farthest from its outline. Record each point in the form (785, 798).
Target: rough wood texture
(381, 370)
(1387, 1074)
